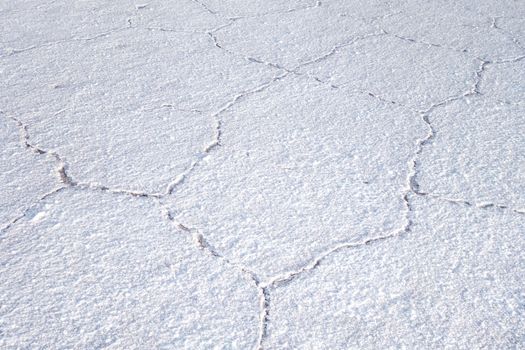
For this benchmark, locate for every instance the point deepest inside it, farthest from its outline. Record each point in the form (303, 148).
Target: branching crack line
(275, 281)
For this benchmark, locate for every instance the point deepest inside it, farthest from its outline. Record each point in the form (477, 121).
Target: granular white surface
(227, 174)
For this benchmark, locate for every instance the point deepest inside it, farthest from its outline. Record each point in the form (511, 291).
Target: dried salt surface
(94, 270)
(184, 16)
(399, 70)
(340, 156)
(460, 26)
(466, 162)
(301, 174)
(453, 281)
(513, 26)
(291, 39)
(134, 105)
(31, 24)
(504, 82)
(239, 8)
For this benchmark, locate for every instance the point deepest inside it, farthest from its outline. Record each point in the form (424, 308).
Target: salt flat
(205, 174)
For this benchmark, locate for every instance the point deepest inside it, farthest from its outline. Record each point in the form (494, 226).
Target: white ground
(271, 174)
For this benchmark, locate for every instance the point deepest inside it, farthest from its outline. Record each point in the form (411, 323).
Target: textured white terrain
(230, 174)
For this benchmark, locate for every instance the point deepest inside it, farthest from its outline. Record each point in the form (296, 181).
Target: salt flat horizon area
(227, 174)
